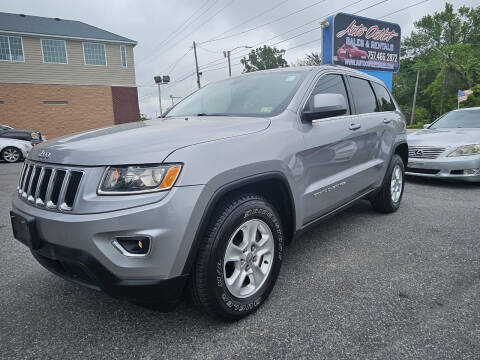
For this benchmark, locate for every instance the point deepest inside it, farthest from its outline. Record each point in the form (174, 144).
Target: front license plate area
(24, 230)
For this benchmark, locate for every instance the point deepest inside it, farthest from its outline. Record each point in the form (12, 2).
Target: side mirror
(326, 105)
(426, 126)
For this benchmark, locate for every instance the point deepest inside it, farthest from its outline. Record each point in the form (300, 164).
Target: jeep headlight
(138, 179)
(466, 150)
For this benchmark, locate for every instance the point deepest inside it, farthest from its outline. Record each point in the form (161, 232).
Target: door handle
(355, 126)
(387, 121)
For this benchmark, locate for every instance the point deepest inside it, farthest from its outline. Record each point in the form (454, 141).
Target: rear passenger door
(373, 128)
(387, 128)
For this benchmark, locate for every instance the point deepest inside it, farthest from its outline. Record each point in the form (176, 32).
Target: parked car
(449, 148)
(13, 150)
(28, 135)
(209, 195)
(351, 52)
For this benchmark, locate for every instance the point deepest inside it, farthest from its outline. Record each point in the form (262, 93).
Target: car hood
(444, 137)
(142, 142)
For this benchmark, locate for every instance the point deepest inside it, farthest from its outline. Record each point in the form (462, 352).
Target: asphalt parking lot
(361, 285)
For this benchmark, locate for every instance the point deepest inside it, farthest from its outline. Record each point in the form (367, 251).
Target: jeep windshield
(259, 95)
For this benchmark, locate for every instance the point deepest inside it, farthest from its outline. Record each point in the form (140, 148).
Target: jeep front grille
(424, 152)
(49, 186)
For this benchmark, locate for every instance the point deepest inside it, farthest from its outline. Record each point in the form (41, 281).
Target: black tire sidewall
(14, 148)
(229, 304)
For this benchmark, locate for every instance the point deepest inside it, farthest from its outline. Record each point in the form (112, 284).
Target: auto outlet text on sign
(367, 44)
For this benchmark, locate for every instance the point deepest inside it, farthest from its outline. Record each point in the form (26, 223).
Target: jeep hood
(142, 142)
(444, 137)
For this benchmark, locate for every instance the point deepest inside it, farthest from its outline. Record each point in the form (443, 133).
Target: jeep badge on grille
(44, 155)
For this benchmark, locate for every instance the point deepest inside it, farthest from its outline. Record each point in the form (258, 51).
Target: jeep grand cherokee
(207, 197)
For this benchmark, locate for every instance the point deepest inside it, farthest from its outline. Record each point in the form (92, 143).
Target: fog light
(132, 245)
(465, 172)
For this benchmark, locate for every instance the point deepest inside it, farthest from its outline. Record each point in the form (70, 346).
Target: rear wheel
(389, 196)
(11, 154)
(239, 259)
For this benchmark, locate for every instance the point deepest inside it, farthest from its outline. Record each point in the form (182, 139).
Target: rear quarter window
(385, 101)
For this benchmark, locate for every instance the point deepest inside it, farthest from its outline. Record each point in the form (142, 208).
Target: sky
(165, 31)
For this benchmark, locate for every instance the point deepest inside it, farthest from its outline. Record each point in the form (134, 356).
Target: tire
(213, 286)
(389, 197)
(11, 154)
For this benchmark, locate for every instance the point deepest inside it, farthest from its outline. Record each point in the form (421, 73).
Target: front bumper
(82, 268)
(445, 167)
(79, 247)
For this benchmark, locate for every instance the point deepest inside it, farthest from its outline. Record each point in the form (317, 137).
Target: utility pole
(414, 98)
(227, 55)
(196, 63)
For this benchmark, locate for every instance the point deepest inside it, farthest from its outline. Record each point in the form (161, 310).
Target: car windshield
(458, 119)
(260, 94)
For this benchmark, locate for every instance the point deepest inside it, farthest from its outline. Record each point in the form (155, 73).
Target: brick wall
(88, 107)
(125, 104)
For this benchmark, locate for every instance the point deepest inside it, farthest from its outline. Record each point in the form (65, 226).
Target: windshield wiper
(214, 114)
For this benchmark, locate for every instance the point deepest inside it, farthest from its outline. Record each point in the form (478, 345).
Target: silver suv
(207, 197)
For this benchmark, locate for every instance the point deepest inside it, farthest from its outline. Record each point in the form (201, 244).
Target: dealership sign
(365, 44)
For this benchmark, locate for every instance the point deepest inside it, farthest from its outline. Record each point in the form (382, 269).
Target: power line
(302, 44)
(405, 8)
(172, 34)
(249, 20)
(293, 29)
(178, 61)
(267, 23)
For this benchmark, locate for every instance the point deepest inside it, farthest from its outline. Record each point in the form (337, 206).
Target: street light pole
(160, 98)
(227, 55)
(160, 80)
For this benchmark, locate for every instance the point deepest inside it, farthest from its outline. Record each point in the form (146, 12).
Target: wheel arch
(266, 185)
(402, 150)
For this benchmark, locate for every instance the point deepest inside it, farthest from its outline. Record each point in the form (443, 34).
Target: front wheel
(11, 154)
(239, 259)
(389, 196)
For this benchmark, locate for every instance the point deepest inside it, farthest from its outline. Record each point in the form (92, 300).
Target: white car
(13, 150)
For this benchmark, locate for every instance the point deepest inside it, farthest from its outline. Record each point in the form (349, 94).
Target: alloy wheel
(396, 185)
(248, 258)
(11, 155)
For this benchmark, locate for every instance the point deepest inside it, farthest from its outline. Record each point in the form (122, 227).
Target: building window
(123, 55)
(94, 54)
(54, 51)
(55, 102)
(11, 48)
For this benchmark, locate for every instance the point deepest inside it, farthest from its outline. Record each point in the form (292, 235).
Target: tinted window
(384, 99)
(363, 96)
(458, 119)
(329, 84)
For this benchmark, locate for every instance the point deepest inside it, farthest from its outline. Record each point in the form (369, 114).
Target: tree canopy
(444, 48)
(263, 58)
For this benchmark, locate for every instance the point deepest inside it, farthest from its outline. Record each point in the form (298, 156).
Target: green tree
(312, 59)
(263, 58)
(444, 48)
